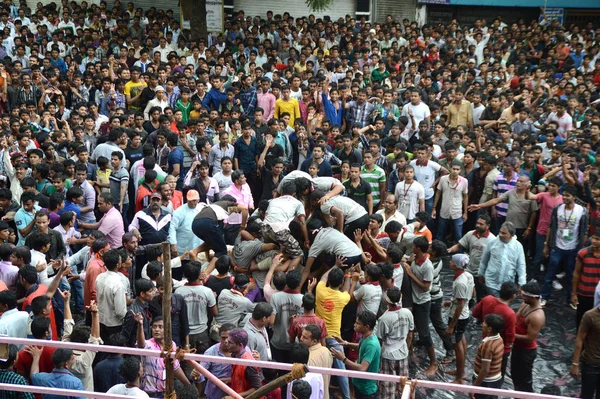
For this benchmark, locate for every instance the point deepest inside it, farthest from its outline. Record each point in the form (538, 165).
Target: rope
(413, 387)
(180, 353)
(298, 371)
(403, 381)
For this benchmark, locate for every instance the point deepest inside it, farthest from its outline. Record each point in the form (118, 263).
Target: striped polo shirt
(490, 350)
(590, 272)
(373, 177)
(501, 185)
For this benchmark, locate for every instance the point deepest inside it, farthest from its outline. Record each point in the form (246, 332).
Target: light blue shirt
(22, 220)
(597, 296)
(13, 323)
(500, 262)
(58, 378)
(180, 229)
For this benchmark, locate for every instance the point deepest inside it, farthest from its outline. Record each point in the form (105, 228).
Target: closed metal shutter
(297, 8)
(398, 9)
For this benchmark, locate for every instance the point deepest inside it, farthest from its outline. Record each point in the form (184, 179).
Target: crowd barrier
(410, 384)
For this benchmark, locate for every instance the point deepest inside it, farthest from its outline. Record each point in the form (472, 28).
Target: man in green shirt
(369, 355)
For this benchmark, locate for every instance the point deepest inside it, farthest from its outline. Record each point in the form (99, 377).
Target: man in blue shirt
(60, 377)
(175, 161)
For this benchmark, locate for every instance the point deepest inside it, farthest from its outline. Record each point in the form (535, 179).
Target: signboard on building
(445, 2)
(214, 17)
(552, 14)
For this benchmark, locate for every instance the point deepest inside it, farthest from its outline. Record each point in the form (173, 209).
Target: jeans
(540, 241)
(494, 292)
(457, 225)
(590, 381)
(421, 313)
(343, 382)
(585, 303)
(567, 259)
(497, 223)
(521, 368)
(124, 214)
(77, 292)
(435, 315)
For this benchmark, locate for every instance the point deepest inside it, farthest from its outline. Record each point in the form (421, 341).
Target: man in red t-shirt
(492, 305)
(40, 329)
(308, 317)
(28, 277)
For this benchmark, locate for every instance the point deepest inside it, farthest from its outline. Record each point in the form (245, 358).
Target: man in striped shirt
(375, 176)
(507, 180)
(586, 276)
(488, 362)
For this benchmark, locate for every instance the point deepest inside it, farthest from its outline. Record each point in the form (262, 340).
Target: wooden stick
(166, 312)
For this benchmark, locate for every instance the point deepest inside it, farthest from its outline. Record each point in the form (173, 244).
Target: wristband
(348, 275)
(575, 364)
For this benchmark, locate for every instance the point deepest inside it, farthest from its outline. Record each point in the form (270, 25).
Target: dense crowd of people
(315, 178)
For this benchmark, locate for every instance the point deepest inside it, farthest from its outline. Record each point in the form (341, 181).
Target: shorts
(284, 238)
(459, 329)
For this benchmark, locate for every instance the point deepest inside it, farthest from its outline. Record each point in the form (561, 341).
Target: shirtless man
(530, 320)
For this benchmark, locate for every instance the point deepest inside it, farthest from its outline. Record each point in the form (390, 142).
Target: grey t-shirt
(462, 288)
(198, 299)
(117, 178)
(474, 245)
(351, 209)
(245, 251)
(519, 209)
(332, 241)
(232, 308)
(258, 340)
(392, 328)
(423, 272)
(285, 306)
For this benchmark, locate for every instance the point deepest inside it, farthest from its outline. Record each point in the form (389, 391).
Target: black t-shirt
(133, 154)
(218, 284)
(359, 193)
(272, 154)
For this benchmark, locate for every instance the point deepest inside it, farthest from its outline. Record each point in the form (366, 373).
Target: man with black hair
(145, 290)
(530, 321)
(82, 366)
(13, 323)
(106, 372)
(40, 329)
(57, 249)
(286, 304)
(9, 376)
(131, 371)
(60, 377)
(332, 296)
(279, 215)
(179, 315)
(487, 368)
(25, 216)
(501, 306)
(420, 273)
(232, 303)
(256, 327)
(111, 296)
(8, 271)
(395, 330)
(369, 355)
(300, 353)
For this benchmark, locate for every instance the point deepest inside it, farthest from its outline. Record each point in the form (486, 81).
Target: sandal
(447, 360)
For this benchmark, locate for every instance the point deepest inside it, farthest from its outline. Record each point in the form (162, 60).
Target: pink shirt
(266, 101)
(154, 376)
(243, 197)
(547, 204)
(111, 225)
(9, 273)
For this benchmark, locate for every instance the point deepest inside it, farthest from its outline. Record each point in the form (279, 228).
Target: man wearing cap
(152, 222)
(159, 101)
(458, 312)
(181, 236)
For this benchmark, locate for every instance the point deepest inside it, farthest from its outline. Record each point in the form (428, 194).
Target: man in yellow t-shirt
(133, 90)
(332, 297)
(287, 104)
